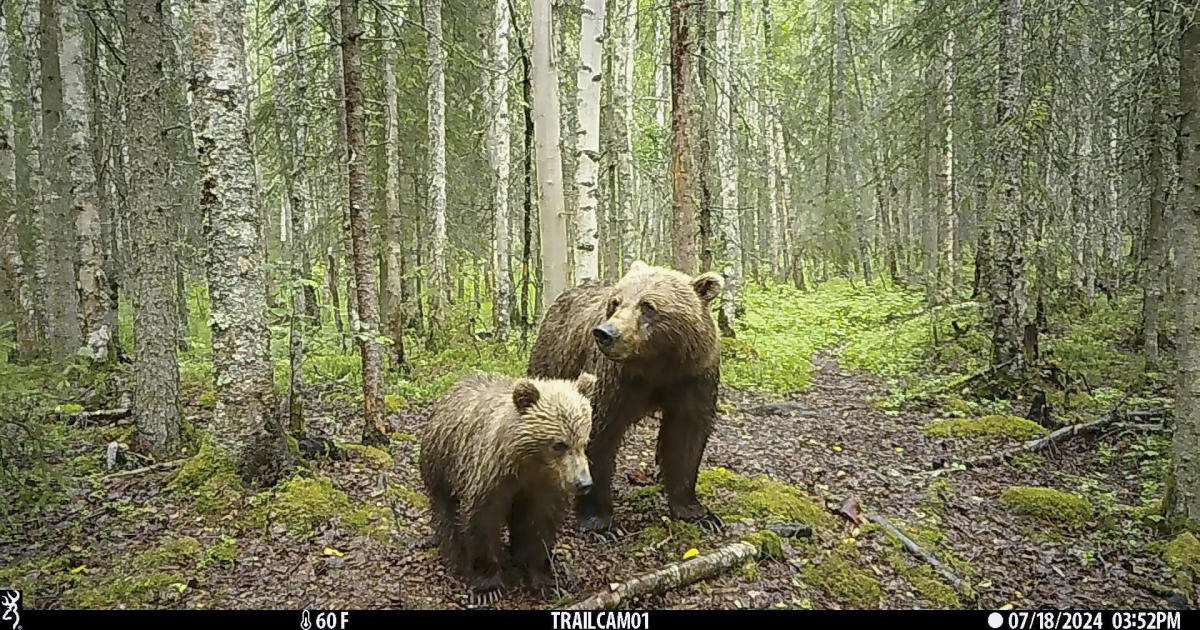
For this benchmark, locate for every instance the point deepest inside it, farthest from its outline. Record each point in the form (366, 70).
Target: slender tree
(551, 211)
(587, 172)
(498, 83)
(683, 207)
(367, 335)
(729, 216)
(437, 164)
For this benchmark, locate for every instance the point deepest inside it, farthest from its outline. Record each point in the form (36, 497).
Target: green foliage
(301, 504)
(1048, 504)
(669, 538)
(1182, 557)
(986, 426)
(224, 551)
(407, 495)
(840, 577)
(767, 542)
(372, 521)
(738, 498)
(174, 551)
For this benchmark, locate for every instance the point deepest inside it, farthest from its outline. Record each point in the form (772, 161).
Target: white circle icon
(995, 620)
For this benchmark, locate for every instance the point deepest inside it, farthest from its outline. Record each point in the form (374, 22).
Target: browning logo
(10, 605)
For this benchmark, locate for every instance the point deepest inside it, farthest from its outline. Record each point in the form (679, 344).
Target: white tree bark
(499, 145)
(244, 424)
(591, 49)
(95, 301)
(626, 22)
(437, 161)
(729, 217)
(395, 309)
(547, 133)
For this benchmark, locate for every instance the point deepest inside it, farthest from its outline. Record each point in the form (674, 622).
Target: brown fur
(498, 450)
(666, 357)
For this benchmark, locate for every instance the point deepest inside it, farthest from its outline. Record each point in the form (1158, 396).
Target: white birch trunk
(436, 57)
(591, 48)
(499, 145)
(626, 193)
(728, 216)
(547, 133)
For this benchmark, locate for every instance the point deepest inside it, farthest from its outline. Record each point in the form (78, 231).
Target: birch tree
(683, 186)
(437, 163)
(626, 29)
(499, 143)
(244, 424)
(395, 307)
(156, 369)
(367, 298)
(551, 211)
(591, 49)
(729, 216)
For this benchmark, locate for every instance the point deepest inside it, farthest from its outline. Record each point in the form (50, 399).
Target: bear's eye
(649, 310)
(560, 447)
(612, 306)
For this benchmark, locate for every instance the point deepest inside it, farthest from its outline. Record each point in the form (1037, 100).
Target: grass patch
(1048, 504)
(987, 426)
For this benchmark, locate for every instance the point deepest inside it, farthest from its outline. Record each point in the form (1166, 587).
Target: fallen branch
(175, 463)
(671, 576)
(778, 409)
(959, 383)
(1059, 435)
(921, 553)
(100, 416)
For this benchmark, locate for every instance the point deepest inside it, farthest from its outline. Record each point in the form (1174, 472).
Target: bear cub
(500, 451)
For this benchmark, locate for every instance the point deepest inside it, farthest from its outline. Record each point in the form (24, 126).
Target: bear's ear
(586, 384)
(525, 394)
(708, 286)
(636, 266)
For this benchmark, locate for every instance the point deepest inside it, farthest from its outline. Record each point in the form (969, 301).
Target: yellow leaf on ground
(79, 569)
(690, 553)
(330, 551)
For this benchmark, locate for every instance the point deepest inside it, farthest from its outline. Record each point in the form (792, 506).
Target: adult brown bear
(651, 341)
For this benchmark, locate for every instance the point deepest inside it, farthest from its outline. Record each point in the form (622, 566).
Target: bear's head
(654, 312)
(555, 422)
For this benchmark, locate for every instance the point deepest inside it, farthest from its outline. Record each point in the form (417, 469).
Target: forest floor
(129, 541)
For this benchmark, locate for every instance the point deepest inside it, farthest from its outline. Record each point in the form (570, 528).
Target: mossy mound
(1048, 504)
(932, 589)
(199, 468)
(738, 498)
(767, 542)
(1182, 556)
(301, 504)
(839, 576)
(223, 551)
(173, 552)
(987, 426)
(672, 538)
(141, 590)
(407, 495)
(371, 455)
(372, 521)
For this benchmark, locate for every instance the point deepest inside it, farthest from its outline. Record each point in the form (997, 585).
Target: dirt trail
(829, 440)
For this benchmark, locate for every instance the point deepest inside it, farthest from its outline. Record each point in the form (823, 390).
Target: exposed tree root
(176, 463)
(928, 557)
(100, 416)
(671, 576)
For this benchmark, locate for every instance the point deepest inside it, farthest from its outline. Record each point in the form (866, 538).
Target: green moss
(402, 437)
(393, 403)
(219, 494)
(174, 552)
(374, 456)
(206, 463)
(1048, 504)
(738, 498)
(932, 589)
(986, 426)
(644, 499)
(840, 578)
(372, 521)
(1182, 556)
(69, 408)
(407, 495)
(301, 504)
(768, 544)
(223, 551)
(143, 590)
(207, 398)
(669, 537)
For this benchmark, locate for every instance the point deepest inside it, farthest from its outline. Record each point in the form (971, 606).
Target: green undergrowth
(1048, 505)
(841, 575)
(759, 500)
(987, 426)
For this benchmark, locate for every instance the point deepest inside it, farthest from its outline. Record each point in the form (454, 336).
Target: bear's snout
(582, 484)
(605, 334)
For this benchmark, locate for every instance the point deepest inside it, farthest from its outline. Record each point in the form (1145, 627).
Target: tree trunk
(1158, 176)
(367, 332)
(156, 369)
(244, 424)
(1008, 219)
(549, 160)
(725, 131)
(22, 261)
(625, 122)
(591, 48)
(395, 299)
(498, 83)
(1185, 504)
(436, 57)
(683, 187)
